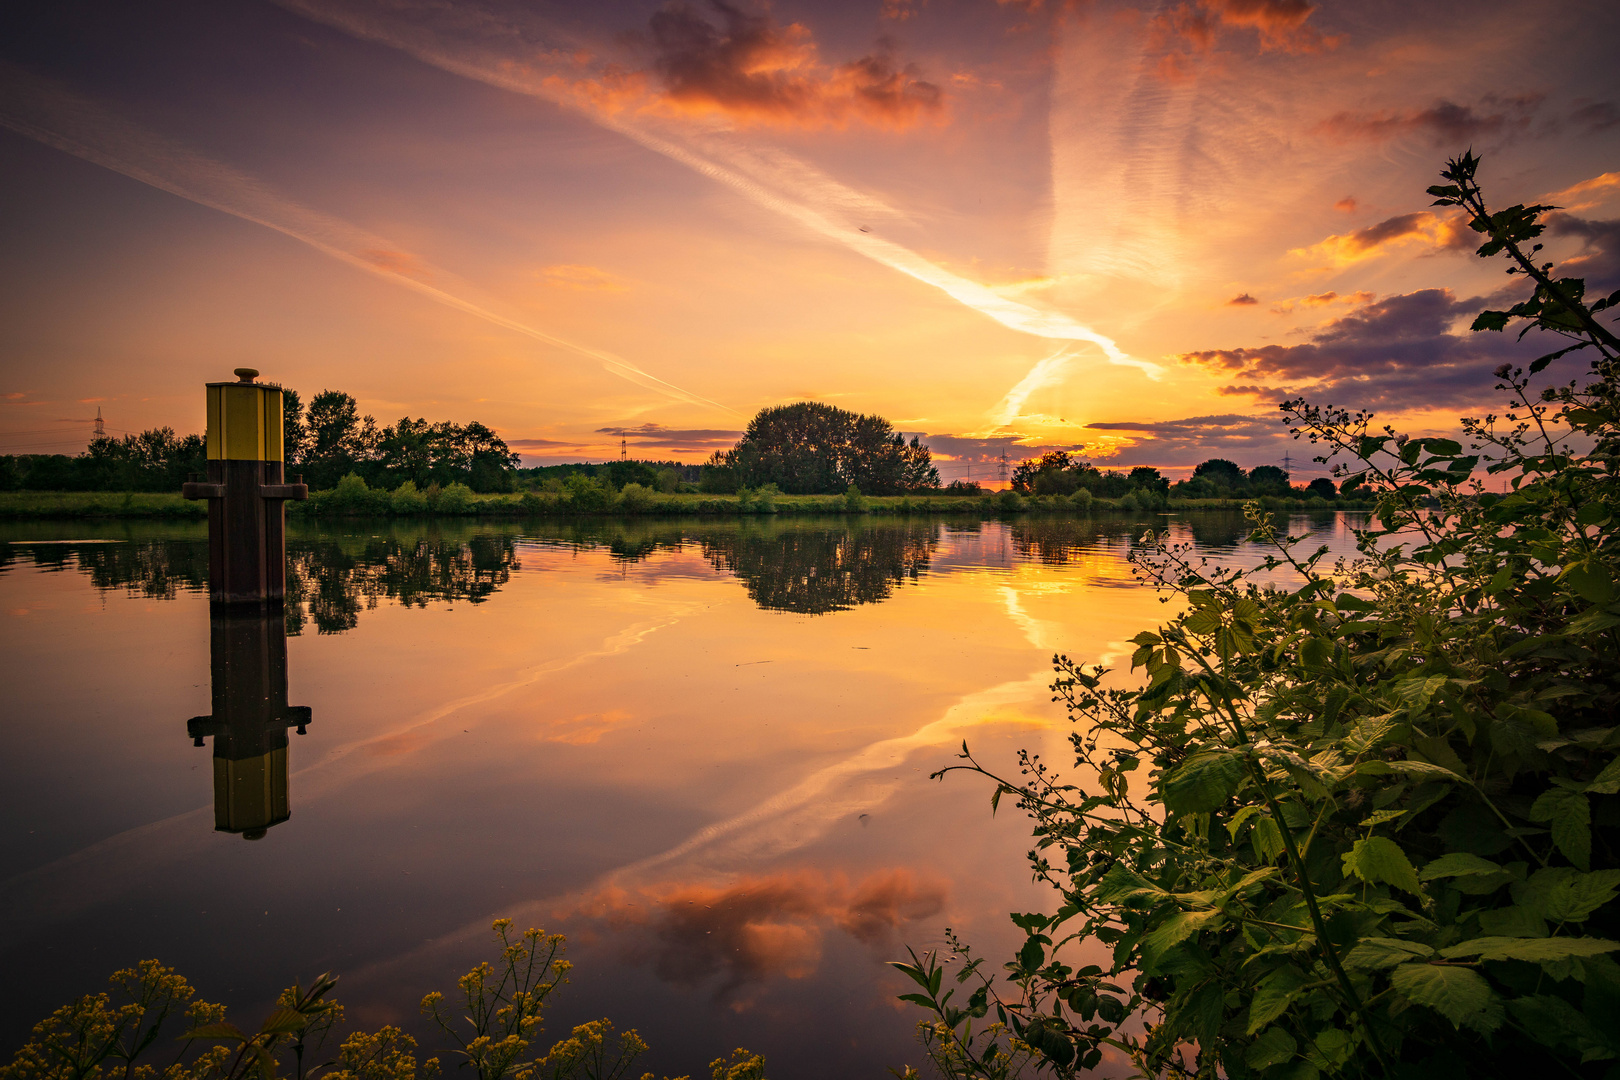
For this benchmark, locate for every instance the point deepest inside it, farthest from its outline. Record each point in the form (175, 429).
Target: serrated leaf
(1423, 769)
(1378, 859)
(1458, 864)
(1203, 782)
(1373, 953)
(1273, 1047)
(1606, 782)
(1570, 815)
(1369, 733)
(1562, 894)
(1533, 950)
(1514, 921)
(1272, 996)
(1591, 581)
(1459, 994)
(1554, 1022)
(1172, 932)
(1121, 883)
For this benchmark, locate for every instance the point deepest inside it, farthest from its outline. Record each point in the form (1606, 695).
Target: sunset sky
(1129, 227)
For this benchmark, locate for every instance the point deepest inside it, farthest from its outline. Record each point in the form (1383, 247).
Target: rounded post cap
(246, 374)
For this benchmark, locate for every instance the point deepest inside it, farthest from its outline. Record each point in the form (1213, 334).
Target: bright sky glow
(1128, 228)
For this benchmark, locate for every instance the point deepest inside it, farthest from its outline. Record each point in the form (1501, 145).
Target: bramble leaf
(1459, 994)
(1571, 818)
(1203, 782)
(1378, 859)
(1373, 953)
(1273, 1047)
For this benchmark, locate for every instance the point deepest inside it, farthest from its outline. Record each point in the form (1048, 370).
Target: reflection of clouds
(756, 928)
(584, 728)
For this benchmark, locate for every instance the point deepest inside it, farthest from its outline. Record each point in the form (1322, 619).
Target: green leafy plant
(1366, 824)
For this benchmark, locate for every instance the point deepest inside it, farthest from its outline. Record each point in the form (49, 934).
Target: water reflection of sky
(698, 749)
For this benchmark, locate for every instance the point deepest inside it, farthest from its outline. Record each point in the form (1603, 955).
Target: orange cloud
(586, 278)
(754, 70)
(1580, 196)
(757, 928)
(1440, 233)
(749, 69)
(1190, 30)
(1347, 204)
(901, 10)
(1284, 307)
(1241, 300)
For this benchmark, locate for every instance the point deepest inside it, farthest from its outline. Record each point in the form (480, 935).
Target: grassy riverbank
(47, 505)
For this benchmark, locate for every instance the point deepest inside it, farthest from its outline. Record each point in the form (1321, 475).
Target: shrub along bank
(589, 498)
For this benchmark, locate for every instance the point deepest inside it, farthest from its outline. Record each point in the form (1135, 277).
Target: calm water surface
(699, 749)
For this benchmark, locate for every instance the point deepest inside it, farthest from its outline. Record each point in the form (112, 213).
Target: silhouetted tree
(1220, 471)
(810, 448)
(1322, 487)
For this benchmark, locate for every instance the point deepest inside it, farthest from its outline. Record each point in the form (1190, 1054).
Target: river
(700, 749)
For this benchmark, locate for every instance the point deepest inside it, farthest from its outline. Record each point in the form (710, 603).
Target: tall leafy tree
(811, 448)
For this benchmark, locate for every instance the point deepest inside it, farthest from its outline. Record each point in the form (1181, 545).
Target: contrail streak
(1043, 373)
(34, 108)
(775, 181)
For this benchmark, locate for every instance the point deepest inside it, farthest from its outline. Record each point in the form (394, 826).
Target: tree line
(1057, 473)
(325, 442)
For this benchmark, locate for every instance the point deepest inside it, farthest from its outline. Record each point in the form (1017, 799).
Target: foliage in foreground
(1369, 825)
(151, 1026)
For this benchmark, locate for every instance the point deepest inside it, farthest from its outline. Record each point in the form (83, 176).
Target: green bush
(353, 496)
(854, 501)
(1081, 499)
(586, 495)
(635, 499)
(1367, 824)
(458, 498)
(407, 500)
(1009, 502)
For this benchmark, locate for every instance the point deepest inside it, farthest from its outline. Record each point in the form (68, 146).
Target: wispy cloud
(525, 55)
(1046, 372)
(52, 115)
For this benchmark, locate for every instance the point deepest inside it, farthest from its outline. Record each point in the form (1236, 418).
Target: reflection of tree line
(1055, 541)
(801, 566)
(329, 581)
(785, 566)
(814, 571)
(153, 569)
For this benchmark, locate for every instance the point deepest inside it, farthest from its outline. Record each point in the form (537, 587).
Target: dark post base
(247, 542)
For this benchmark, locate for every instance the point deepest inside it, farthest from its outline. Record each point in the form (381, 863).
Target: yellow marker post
(248, 655)
(247, 545)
